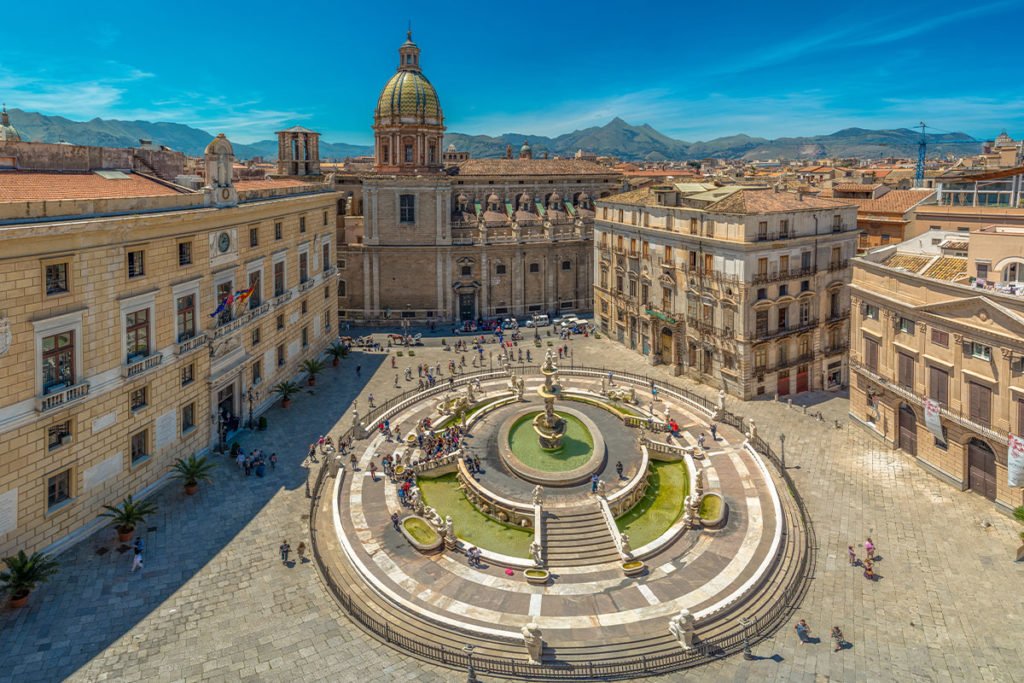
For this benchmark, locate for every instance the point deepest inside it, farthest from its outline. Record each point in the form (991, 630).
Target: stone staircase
(577, 538)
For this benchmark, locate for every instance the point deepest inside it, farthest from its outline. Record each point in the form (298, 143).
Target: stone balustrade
(140, 366)
(57, 399)
(491, 504)
(623, 500)
(306, 286)
(191, 344)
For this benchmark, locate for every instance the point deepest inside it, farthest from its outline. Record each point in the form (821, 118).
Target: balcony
(60, 397)
(661, 314)
(709, 276)
(836, 348)
(242, 320)
(281, 299)
(795, 328)
(191, 344)
(835, 316)
(776, 275)
(796, 360)
(836, 266)
(136, 368)
(329, 272)
(306, 286)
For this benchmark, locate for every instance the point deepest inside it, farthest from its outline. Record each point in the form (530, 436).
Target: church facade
(445, 238)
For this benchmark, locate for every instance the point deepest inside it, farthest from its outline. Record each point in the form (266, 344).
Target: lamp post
(747, 653)
(470, 672)
(782, 442)
(218, 420)
(252, 395)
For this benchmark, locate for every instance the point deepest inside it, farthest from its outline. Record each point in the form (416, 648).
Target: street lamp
(782, 442)
(218, 420)
(747, 653)
(252, 395)
(470, 672)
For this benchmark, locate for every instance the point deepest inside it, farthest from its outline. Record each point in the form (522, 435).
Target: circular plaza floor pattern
(593, 619)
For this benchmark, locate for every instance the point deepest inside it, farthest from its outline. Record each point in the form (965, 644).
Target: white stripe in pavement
(535, 604)
(648, 594)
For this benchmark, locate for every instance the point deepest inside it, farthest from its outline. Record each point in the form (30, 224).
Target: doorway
(802, 380)
(782, 386)
(908, 430)
(467, 306)
(981, 468)
(666, 346)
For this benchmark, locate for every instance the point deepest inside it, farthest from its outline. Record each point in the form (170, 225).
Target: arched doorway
(981, 468)
(666, 346)
(908, 430)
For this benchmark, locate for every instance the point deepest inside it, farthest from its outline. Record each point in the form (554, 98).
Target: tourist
(370, 400)
(301, 550)
(618, 468)
(852, 554)
(394, 515)
(803, 631)
(869, 569)
(359, 370)
(593, 483)
(397, 385)
(137, 556)
(714, 431)
(273, 460)
(476, 465)
(285, 549)
(311, 453)
(320, 443)
(261, 469)
(869, 548)
(247, 464)
(352, 460)
(373, 471)
(240, 460)
(700, 441)
(837, 639)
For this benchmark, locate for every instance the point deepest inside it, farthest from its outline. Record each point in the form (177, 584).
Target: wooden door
(802, 379)
(908, 430)
(981, 469)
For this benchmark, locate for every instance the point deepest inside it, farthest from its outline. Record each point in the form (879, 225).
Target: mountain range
(616, 138)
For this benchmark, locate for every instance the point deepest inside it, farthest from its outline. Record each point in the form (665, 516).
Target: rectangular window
(783, 319)
(938, 385)
(186, 317)
(805, 312)
(280, 322)
(304, 307)
(302, 224)
(834, 310)
(257, 373)
(1020, 416)
(139, 398)
(940, 338)
(303, 267)
(325, 218)
(534, 267)
(280, 355)
(279, 284)
(136, 264)
(980, 403)
(57, 279)
(188, 374)
(500, 269)
(58, 361)
(342, 289)
(805, 260)
(140, 446)
(325, 254)
(761, 323)
(905, 370)
(837, 257)
(254, 237)
(256, 336)
(783, 229)
(224, 290)
(566, 265)
(407, 208)
(305, 337)
(184, 253)
(277, 231)
(760, 360)
(980, 351)
(982, 271)
(837, 223)
(762, 230)
(256, 285)
(870, 312)
(58, 435)
(762, 266)
(188, 418)
(58, 488)
(137, 334)
(871, 354)
(907, 325)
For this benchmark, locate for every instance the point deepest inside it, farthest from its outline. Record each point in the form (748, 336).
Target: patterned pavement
(215, 603)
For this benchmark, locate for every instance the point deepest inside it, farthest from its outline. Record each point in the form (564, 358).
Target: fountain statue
(549, 426)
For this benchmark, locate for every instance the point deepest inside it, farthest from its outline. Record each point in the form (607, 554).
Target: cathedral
(436, 236)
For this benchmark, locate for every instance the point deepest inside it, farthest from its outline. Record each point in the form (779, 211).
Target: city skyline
(778, 72)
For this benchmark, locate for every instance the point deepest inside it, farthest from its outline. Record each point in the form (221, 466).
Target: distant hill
(616, 138)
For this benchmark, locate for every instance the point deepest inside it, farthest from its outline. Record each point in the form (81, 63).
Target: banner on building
(1015, 461)
(932, 421)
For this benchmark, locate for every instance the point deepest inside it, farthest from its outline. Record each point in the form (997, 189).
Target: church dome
(408, 98)
(8, 133)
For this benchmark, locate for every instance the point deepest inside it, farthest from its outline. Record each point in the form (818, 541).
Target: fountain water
(550, 427)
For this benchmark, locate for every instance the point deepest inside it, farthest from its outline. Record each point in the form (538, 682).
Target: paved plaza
(215, 603)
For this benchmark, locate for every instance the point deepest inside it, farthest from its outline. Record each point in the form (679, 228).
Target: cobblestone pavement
(215, 603)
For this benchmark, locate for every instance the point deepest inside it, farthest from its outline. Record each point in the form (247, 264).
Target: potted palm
(127, 515)
(192, 471)
(23, 573)
(286, 390)
(336, 351)
(313, 367)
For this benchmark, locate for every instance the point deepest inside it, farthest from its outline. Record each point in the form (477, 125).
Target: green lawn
(660, 507)
(471, 525)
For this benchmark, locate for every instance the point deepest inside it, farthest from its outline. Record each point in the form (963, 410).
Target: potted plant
(336, 351)
(313, 367)
(192, 471)
(24, 572)
(286, 390)
(128, 515)
(261, 424)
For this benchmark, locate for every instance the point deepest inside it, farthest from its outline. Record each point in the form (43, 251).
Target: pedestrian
(273, 460)
(301, 550)
(394, 515)
(311, 453)
(359, 370)
(700, 440)
(869, 548)
(370, 400)
(852, 554)
(593, 483)
(714, 431)
(320, 443)
(869, 569)
(136, 557)
(247, 465)
(803, 631)
(476, 464)
(373, 471)
(397, 385)
(837, 639)
(285, 549)
(261, 469)
(240, 459)
(618, 468)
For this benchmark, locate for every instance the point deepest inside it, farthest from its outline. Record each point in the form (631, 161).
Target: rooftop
(894, 201)
(269, 184)
(757, 201)
(537, 167)
(34, 186)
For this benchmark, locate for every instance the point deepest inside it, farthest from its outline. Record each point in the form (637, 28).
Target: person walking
(137, 554)
(619, 468)
(869, 548)
(285, 549)
(852, 554)
(803, 631)
(837, 639)
(593, 483)
(714, 431)
(394, 516)
(869, 569)
(359, 371)
(700, 441)
(301, 550)
(373, 471)
(273, 460)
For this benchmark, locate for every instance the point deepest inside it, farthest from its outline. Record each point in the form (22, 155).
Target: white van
(538, 321)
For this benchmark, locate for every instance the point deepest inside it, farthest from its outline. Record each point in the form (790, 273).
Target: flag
(220, 309)
(242, 296)
(932, 409)
(1015, 461)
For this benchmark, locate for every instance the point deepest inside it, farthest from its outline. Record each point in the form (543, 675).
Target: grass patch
(661, 506)
(420, 531)
(471, 525)
(710, 507)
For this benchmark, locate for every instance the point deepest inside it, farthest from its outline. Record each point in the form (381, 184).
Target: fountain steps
(578, 538)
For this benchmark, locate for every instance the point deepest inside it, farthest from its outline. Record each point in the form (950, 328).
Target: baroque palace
(448, 238)
(145, 314)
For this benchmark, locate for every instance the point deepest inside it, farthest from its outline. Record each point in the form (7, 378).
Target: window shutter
(967, 348)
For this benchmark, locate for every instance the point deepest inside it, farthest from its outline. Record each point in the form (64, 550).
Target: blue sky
(692, 70)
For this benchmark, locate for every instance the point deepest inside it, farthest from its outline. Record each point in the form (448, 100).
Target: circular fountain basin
(581, 455)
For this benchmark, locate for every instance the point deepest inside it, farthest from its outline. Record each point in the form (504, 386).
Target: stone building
(480, 238)
(298, 152)
(940, 318)
(137, 315)
(738, 287)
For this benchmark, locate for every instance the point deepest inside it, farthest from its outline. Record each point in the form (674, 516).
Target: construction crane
(922, 149)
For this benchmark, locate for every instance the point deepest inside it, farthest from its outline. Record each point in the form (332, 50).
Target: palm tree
(313, 367)
(286, 390)
(24, 572)
(129, 514)
(336, 351)
(192, 471)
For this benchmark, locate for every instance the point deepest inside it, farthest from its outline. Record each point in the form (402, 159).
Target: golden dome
(408, 98)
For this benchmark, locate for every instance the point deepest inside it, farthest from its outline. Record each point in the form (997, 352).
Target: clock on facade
(224, 242)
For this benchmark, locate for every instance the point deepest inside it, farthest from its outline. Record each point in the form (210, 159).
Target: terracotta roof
(956, 245)
(947, 268)
(910, 262)
(29, 186)
(768, 201)
(541, 167)
(855, 187)
(271, 184)
(641, 197)
(894, 201)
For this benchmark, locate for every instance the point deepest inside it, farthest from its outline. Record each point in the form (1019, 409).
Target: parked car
(538, 321)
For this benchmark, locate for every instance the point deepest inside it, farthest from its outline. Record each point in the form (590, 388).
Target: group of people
(868, 563)
(803, 632)
(255, 462)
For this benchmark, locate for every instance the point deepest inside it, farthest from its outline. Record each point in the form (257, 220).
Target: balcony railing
(795, 328)
(799, 359)
(328, 272)
(954, 415)
(281, 299)
(661, 313)
(136, 368)
(306, 286)
(62, 397)
(838, 265)
(776, 275)
(243, 320)
(191, 344)
(707, 276)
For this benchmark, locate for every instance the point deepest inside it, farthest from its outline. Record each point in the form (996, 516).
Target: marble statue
(536, 552)
(601, 488)
(699, 477)
(721, 399)
(624, 541)
(683, 628)
(752, 432)
(534, 641)
(520, 388)
(470, 396)
(538, 495)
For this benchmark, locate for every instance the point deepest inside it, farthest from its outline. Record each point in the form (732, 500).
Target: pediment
(979, 312)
